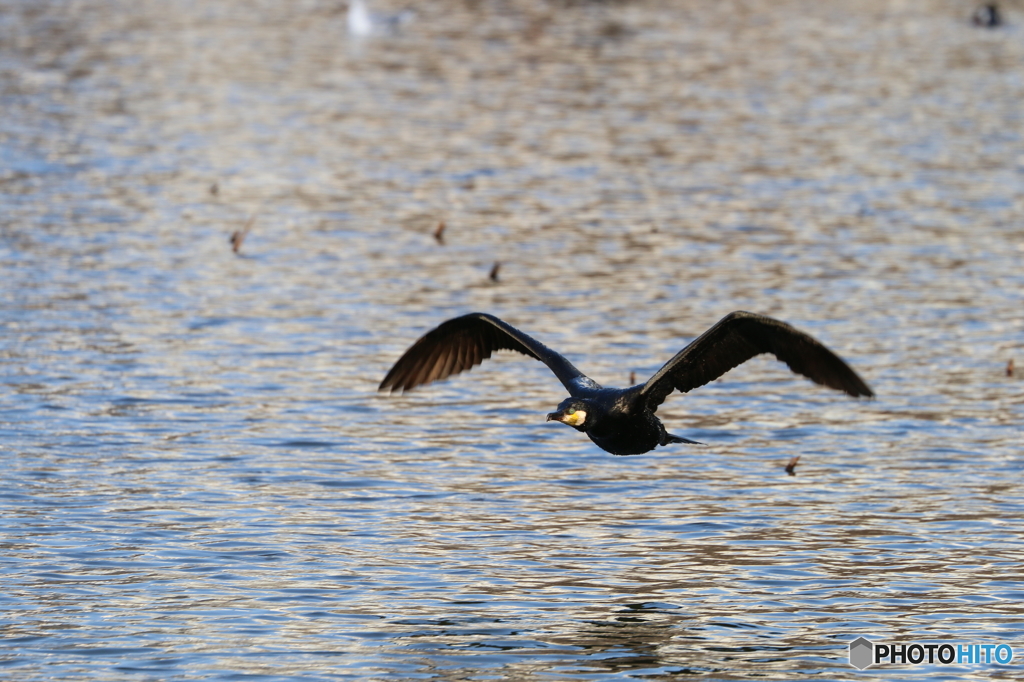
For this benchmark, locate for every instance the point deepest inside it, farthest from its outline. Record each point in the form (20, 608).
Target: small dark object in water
(1009, 368)
(238, 236)
(439, 232)
(632, 378)
(214, 189)
(494, 271)
(622, 420)
(613, 30)
(791, 467)
(987, 15)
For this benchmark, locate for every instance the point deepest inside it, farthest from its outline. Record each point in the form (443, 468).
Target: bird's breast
(632, 434)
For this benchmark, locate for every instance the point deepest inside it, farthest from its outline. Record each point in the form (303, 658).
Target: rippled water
(200, 480)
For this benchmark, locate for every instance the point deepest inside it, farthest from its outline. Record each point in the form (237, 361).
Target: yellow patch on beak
(576, 418)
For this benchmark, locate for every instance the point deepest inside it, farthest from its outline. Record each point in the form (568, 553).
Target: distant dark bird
(622, 420)
(791, 467)
(439, 232)
(987, 15)
(1009, 368)
(494, 272)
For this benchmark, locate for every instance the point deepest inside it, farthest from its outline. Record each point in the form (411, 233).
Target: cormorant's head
(575, 412)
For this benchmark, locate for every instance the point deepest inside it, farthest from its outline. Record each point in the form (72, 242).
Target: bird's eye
(572, 410)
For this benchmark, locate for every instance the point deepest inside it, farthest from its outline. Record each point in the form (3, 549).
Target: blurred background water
(201, 482)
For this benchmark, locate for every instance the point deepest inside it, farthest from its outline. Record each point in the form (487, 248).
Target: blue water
(200, 480)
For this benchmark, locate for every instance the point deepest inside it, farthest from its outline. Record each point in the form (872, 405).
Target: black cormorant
(622, 420)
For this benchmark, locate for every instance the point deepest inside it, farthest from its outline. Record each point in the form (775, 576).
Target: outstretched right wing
(464, 342)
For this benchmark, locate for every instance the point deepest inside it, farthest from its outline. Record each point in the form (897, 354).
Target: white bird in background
(359, 21)
(362, 23)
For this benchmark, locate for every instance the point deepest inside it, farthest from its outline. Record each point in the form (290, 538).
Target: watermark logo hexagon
(862, 653)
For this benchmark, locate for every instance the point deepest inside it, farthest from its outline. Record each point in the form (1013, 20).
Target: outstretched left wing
(736, 338)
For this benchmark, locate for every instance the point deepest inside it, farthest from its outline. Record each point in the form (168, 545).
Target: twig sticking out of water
(494, 271)
(653, 204)
(791, 467)
(238, 236)
(439, 232)
(632, 378)
(1009, 368)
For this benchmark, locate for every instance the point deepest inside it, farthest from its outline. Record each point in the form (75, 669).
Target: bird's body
(622, 421)
(618, 420)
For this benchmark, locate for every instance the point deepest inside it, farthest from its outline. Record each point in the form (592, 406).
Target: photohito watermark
(864, 653)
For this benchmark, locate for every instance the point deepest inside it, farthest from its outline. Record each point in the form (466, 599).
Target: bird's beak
(575, 419)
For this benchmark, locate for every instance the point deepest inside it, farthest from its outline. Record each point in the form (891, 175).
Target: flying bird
(622, 420)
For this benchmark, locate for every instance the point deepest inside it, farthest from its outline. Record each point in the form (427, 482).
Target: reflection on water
(201, 481)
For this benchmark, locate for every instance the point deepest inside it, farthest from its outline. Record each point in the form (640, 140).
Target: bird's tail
(673, 438)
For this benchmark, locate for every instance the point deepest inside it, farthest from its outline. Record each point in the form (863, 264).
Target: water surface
(201, 482)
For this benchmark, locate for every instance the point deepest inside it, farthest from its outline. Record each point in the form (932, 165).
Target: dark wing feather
(464, 342)
(740, 336)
